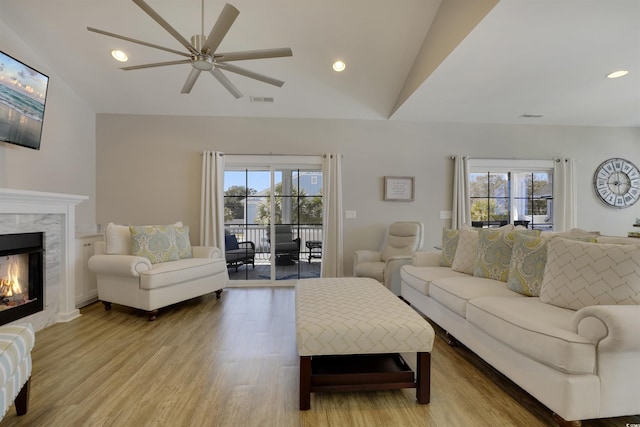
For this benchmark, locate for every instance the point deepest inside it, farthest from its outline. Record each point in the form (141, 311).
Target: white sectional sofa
(150, 267)
(562, 321)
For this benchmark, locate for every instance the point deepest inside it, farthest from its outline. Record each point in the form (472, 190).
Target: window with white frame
(505, 191)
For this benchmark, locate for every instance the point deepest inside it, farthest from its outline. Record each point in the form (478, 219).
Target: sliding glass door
(273, 213)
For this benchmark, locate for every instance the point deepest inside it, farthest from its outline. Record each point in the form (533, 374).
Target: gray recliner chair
(402, 241)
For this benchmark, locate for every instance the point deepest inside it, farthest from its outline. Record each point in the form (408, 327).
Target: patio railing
(258, 234)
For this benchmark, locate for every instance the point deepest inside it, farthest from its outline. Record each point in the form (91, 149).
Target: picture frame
(399, 188)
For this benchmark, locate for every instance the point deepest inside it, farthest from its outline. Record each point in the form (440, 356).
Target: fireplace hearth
(21, 275)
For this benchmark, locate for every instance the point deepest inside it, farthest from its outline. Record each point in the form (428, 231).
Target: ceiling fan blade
(156, 64)
(226, 83)
(191, 80)
(251, 74)
(220, 28)
(253, 54)
(129, 39)
(164, 24)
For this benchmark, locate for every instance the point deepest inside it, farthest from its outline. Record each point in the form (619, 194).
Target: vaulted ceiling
(476, 61)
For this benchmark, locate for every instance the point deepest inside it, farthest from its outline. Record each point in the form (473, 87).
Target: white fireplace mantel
(34, 202)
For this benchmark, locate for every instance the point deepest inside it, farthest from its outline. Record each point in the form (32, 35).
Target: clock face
(617, 183)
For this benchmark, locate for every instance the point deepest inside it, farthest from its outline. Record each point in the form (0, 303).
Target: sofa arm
(392, 271)
(613, 327)
(119, 265)
(426, 259)
(206, 252)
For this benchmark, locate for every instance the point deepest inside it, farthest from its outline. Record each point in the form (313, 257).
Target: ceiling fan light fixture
(202, 62)
(616, 74)
(119, 55)
(339, 66)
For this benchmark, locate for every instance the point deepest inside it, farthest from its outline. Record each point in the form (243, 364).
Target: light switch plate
(350, 214)
(446, 214)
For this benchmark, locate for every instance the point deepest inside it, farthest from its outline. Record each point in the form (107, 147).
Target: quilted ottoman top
(356, 315)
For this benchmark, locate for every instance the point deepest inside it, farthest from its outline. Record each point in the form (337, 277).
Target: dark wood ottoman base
(363, 372)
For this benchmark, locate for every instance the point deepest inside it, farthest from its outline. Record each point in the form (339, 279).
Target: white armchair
(127, 275)
(402, 241)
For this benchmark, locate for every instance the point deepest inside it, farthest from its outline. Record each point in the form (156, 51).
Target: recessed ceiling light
(119, 55)
(339, 66)
(616, 74)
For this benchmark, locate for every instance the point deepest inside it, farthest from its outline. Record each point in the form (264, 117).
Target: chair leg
(22, 399)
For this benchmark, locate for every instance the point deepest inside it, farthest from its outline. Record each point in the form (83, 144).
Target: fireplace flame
(11, 285)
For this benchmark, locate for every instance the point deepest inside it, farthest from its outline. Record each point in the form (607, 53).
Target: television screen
(23, 92)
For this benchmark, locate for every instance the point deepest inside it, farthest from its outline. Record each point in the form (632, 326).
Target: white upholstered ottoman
(350, 331)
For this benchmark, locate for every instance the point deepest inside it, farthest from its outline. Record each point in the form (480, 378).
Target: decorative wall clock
(617, 183)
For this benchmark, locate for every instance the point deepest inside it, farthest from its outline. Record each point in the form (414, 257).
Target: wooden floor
(233, 362)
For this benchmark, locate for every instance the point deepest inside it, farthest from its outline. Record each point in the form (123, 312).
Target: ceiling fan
(202, 53)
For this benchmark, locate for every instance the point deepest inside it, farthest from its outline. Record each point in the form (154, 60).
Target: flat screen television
(23, 93)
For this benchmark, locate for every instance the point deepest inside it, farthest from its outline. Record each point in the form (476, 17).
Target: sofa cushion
(175, 272)
(540, 331)
(466, 251)
(580, 274)
(230, 242)
(154, 242)
(182, 241)
(117, 239)
(449, 245)
(420, 278)
(528, 261)
(455, 292)
(495, 247)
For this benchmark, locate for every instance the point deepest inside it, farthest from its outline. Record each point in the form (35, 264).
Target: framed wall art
(399, 188)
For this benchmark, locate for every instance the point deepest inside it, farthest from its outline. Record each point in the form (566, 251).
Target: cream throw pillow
(467, 250)
(117, 239)
(580, 274)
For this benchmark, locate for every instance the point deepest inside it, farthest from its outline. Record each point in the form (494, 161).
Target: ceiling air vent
(531, 116)
(262, 99)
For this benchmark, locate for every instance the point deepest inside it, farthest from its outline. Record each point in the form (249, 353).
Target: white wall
(66, 160)
(148, 167)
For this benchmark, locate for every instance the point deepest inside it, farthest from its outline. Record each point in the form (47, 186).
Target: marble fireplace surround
(23, 211)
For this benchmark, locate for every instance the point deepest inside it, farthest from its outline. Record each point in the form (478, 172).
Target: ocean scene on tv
(23, 93)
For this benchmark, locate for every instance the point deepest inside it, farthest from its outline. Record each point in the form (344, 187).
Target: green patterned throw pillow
(528, 259)
(182, 241)
(449, 245)
(494, 252)
(154, 242)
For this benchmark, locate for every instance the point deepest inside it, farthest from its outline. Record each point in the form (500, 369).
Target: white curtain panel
(564, 194)
(461, 210)
(332, 249)
(212, 200)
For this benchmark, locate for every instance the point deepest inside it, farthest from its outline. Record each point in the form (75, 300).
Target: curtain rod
(275, 154)
(272, 154)
(506, 158)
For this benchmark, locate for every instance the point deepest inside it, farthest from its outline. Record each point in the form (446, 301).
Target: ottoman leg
(22, 399)
(423, 377)
(305, 383)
